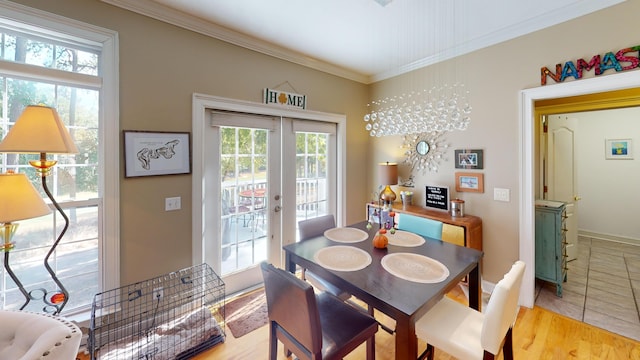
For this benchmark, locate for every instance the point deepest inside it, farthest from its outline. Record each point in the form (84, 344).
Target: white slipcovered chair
(469, 334)
(27, 335)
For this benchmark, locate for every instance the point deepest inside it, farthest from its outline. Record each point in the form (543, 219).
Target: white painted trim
(189, 22)
(609, 237)
(111, 159)
(626, 80)
(500, 35)
(200, 104)
(154, 10)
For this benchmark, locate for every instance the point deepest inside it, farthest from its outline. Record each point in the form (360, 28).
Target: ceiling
(364, 40)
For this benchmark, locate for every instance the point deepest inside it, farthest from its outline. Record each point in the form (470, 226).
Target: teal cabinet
(551, 244)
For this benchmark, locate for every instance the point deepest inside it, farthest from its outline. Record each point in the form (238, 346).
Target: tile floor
(602, 288)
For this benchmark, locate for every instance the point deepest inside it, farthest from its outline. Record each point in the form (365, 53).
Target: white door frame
(200, 231)
(626, 80)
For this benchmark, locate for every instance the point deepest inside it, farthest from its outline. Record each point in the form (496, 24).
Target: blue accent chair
(421, 226)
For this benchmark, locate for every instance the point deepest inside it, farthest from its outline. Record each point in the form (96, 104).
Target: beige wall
(495, 76)
(162, 65)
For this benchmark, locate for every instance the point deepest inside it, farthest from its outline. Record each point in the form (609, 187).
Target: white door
(246, 196)
(561, 179)
(313, 174)
(265, 173)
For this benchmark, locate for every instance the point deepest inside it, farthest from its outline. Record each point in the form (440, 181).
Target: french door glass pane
(244, 169)
(311, 175)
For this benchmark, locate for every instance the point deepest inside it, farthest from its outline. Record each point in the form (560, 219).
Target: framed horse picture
(148, 153)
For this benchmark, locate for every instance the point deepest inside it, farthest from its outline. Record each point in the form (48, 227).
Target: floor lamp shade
(19, 200)
(38, 130)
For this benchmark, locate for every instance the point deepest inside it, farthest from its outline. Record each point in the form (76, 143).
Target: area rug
(246, 313)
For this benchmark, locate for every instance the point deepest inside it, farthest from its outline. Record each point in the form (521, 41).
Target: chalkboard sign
(437, 197)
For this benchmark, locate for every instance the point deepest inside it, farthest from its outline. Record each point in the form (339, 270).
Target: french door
(266, 174)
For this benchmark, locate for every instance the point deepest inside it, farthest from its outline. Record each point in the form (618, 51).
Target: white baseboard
(609, 237)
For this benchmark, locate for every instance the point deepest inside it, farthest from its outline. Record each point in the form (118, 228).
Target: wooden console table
(465, 230)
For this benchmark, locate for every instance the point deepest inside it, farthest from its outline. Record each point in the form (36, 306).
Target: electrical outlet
(158, 293)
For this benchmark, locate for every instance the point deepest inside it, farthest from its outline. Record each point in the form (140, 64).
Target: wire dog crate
(173, 316)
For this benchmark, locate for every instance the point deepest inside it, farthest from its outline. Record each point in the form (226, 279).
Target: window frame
(68, 30)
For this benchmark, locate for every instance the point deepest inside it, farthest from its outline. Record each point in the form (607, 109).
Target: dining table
(391, 280)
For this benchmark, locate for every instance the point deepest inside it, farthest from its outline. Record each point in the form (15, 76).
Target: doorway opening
(528, 155)
(600, 278)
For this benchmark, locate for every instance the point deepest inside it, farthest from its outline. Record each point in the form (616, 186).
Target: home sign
(278, 97)
(622, 60)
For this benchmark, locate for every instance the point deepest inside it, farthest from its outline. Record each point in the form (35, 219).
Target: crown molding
(189, 22)
(551, 18)
(193, 23)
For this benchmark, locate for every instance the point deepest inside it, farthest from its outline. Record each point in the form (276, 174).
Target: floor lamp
(39, 130)
(19, 200)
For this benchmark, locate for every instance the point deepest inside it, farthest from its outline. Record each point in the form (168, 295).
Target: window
(52, 61)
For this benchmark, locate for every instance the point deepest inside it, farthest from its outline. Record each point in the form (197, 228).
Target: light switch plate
(501, 194)
(172, 203)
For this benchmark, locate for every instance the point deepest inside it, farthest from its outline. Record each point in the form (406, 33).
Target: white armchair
(27, 335)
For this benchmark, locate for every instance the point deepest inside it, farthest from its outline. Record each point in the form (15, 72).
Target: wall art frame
(469, 182)
(437, 197)
(469, 158)
(154, 153)
(618, 149)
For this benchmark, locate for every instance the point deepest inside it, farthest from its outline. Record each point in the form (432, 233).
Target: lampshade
(19, 200)
(38, 130)
(388, 173)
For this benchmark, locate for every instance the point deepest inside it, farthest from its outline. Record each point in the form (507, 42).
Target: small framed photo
(148, 153)
(618, 149)
(468, 159)
(469, 182)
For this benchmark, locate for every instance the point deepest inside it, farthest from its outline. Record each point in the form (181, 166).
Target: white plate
(346, 234)
(414, 267)
(404, 238)
(342, 258)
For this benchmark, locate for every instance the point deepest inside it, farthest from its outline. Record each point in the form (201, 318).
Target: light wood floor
(538, 334)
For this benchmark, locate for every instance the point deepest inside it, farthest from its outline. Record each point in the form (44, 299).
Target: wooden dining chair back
(312, 228)
(312, 326)
(421, 226)
(466, 333)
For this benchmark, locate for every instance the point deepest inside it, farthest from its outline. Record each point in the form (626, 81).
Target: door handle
(577, 198)
(277, 208)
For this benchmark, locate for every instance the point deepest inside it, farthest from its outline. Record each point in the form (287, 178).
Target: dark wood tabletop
(403, 300)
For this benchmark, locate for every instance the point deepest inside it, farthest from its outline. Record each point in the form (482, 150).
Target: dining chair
(309, 229)
(466, 333)
(421, 226)
(312, 326)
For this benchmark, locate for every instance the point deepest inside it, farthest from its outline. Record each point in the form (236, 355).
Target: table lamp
(19, 200)
(388, 175)
(39, 130)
